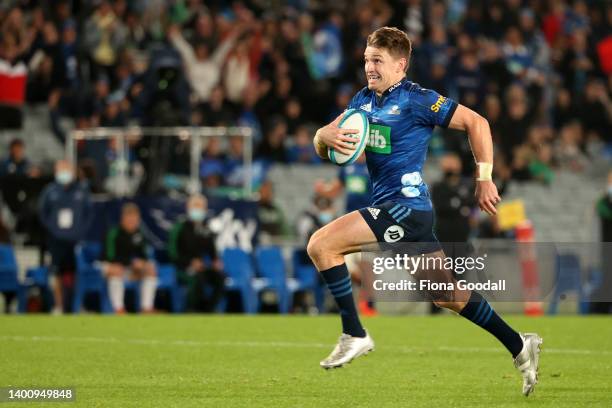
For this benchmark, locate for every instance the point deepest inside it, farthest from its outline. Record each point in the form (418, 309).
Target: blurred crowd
(539, 71)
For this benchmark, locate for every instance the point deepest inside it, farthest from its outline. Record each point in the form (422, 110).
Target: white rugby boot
(528, 360)
(347, 349)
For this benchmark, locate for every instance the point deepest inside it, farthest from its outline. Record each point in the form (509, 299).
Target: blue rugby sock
(339, 283)
(479, 311)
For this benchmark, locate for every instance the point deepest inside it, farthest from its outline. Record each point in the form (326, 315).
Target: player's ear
(401, 65)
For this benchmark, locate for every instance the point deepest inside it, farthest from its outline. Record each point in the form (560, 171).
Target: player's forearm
(479, 134)
(320, 147)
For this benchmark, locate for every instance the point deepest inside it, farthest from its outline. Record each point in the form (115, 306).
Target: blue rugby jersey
(401, 123)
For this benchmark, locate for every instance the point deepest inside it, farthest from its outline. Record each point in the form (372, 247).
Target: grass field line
(285, 344)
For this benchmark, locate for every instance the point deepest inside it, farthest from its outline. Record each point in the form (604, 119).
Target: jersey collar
(388, 91)
(394, 87)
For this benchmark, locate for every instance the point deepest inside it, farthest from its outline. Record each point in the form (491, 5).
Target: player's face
(382, 69)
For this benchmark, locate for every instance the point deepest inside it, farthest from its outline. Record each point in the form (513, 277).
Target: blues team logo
(395, 110)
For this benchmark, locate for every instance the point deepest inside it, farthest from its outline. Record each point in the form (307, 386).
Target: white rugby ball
(352, 119)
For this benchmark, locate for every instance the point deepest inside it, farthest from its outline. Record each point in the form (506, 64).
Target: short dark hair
(16, 142)
(394, 40)
(129, 208)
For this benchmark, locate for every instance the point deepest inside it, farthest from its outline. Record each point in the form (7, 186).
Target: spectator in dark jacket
(193, 251)
(65, 211)
(16, 163)
(125, 256)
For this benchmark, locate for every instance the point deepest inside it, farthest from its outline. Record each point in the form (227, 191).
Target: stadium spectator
(217, 111)
(454, 203)
(272, 148)
(516, 121)
(302, 151)
(105, 34)
(17, 163)
(271, 218)
(567, 149)
(125, 257)
(192, 249)
(595, 112)
(540, 166)
(320, 213)
(238, 70)
(455, 209)
(284, 64)
(65, 211)
(247, 116)
(203, 68)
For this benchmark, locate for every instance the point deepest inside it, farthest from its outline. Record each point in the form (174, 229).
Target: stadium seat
(166, 280)
(592, 283)
(36, 277)
(89, 277)
(568, 279)
(272, 275)
(239, 270)
(305, 278)
(8, 275)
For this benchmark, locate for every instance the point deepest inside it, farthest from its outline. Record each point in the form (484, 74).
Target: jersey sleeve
(431, 108)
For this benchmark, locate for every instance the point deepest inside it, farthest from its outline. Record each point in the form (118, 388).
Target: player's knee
(315, 247)
(114, 270)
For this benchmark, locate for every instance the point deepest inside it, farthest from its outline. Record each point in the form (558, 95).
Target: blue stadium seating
(37, 277)
(8, 275)
(306, 278)
(89, 277)
(166, 280)
(568, 279)
(240, 273)
(272, 275)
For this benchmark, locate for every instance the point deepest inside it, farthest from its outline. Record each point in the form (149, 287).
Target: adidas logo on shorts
(374, 212)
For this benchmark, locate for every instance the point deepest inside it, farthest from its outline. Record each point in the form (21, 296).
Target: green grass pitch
(272, 361)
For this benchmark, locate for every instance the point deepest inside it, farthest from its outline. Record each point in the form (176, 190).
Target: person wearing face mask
(191, 247)
(604, 211)
(65, 211)
(322, 212)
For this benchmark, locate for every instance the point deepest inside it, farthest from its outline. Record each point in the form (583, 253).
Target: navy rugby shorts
(394, 223)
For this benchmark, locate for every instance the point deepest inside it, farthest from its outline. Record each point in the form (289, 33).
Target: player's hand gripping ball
(352, 119)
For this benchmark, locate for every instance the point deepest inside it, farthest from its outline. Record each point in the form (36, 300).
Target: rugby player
(402, 116)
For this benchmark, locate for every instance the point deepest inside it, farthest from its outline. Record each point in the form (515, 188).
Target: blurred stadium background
(154, 100)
